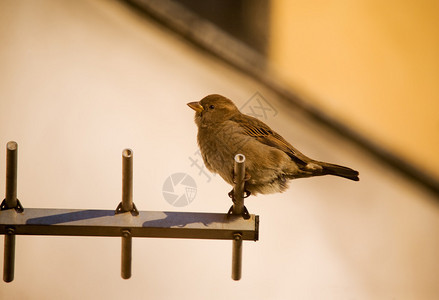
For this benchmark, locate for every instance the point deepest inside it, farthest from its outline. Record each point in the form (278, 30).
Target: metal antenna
(126, 222)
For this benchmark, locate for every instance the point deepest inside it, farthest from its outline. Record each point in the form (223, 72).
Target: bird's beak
(196, 106)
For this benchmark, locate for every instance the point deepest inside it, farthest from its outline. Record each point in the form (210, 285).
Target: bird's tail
(341, 171)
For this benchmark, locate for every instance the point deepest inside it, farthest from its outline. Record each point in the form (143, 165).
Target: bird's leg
(247, 193)
(246, 177)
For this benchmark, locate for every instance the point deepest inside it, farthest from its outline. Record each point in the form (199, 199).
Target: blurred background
(353, 83)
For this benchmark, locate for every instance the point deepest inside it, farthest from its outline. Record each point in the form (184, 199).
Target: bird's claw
(246, 177)
(246, 194)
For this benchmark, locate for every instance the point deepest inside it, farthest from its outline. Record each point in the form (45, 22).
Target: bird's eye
(212, 106)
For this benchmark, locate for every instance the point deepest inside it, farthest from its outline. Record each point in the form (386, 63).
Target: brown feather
(264, 134)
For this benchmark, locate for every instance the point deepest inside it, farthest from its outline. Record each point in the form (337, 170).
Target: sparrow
(271, 162)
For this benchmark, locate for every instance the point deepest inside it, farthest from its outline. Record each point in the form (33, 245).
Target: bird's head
(213, 109)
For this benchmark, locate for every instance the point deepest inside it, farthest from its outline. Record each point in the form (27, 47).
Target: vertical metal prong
(238, 190)
(126, 254)
(11, 174)
(127, 180)
(9, 256)
(10, 202)
(238, 209)
(127, 205)
(237, 257)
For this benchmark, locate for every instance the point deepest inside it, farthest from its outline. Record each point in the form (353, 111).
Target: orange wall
(372, 64)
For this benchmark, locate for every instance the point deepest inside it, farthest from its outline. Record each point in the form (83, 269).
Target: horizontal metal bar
(77, 222)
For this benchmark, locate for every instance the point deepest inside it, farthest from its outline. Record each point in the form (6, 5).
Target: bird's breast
(218, 146)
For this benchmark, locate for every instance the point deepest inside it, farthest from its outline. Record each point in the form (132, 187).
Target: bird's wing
(264, 134)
